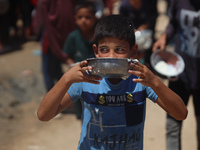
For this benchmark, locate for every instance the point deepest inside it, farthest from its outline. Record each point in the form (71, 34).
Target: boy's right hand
(79, 73)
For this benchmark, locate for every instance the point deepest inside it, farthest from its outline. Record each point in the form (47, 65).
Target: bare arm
(57, 99)
(160, 43)
(170, 102)
(167, 99)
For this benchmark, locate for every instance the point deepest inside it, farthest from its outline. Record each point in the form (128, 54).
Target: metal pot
(110, 67)
(167, 64)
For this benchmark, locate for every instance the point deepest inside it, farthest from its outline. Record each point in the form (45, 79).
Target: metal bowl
(167, 64)
(110, 67)
(144, 39)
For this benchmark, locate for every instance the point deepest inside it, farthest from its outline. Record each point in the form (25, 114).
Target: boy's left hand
(145, 76)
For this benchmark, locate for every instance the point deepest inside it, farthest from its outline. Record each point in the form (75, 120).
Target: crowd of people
(11, 11)
(66, 31)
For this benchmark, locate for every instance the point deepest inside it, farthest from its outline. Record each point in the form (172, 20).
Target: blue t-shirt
(113, 115)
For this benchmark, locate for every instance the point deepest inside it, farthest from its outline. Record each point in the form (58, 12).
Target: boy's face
(85, 20)
(114, 48)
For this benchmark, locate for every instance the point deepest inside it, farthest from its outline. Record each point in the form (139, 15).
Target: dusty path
(21, 90)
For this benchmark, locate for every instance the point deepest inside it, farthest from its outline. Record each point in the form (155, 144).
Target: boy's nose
(112, 54)
(83, 19)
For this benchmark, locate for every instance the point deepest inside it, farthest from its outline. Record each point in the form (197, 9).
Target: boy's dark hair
(90, 5)
(115, 26)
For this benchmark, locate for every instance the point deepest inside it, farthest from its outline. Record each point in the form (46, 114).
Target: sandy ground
(21, 90)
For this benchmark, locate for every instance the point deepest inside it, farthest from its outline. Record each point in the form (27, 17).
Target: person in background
(38, 22)
(144, 14)
(185, 25)
(113, 108)
(27, 8)
(78, 45)
(58, 16)
(14, 32)
(109, 5)
(4, 26)
(21, 9)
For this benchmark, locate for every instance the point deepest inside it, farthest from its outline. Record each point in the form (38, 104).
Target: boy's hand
(79, 73)
(145, 76)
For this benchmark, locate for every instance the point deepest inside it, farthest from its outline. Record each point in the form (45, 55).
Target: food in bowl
(166, 69)
(167, 64)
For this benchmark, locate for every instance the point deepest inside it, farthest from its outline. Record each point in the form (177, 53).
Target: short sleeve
(151, 94)
(75, 91)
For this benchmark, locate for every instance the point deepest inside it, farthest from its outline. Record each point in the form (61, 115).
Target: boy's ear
(134, 51)
(95, 48)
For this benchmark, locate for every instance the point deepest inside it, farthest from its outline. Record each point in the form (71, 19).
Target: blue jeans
(51, 69)
(173, 126)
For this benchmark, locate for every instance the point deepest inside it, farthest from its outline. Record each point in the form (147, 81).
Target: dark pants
(174, 126)
(51, 69)
(4, 28)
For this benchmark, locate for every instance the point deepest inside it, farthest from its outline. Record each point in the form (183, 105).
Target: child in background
(78, 45)
(117, 123)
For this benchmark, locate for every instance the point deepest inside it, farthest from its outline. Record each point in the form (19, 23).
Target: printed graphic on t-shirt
(116, 120)
(113, 100)
(117, 140)
(190, 24)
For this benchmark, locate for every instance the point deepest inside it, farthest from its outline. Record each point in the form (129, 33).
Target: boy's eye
(119, 50)
(79, 17)
(103, 50)
(87, 17)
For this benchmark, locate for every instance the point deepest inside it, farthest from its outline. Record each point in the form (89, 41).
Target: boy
(106, 124)
(78, 45)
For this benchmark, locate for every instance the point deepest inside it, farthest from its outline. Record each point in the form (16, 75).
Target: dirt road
(21, 90)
